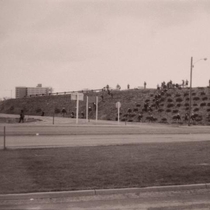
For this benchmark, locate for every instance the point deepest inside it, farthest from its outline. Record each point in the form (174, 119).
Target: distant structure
(21, 92)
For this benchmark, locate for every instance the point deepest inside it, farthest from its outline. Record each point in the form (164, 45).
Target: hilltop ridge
(133, 109)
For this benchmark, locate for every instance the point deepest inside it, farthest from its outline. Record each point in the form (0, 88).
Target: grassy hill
(171, 102)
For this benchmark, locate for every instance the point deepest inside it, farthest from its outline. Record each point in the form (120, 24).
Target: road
(96, 140)
(168, 200)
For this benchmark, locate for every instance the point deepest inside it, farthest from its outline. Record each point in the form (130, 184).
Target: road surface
(169, 200)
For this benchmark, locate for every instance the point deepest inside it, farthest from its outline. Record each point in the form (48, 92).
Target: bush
(187, 99)
(208, 110)
(164, 120)
(203, 93)
(178, 95)
(168, 110)
(170, 105)
(187, 108)
(179, 100)
(170, 100)
(57, 111)
(195, 104)
(161, 104)
(186, 94)
(193, 94)
(135, 109)
(203, 104)
(138, 105)
(38, 110)
(130, 120)
(11, 108)
(175, 111)
(178, 105)
(131, 115)
(208, 104)
(204, 98)
(160, 110)
(196, 98)
(196, 109)
(168, 94)
(186, 104)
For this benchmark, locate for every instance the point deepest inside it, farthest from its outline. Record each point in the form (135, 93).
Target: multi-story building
(22, 92)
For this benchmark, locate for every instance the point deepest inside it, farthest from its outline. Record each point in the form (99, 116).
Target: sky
(72, 45)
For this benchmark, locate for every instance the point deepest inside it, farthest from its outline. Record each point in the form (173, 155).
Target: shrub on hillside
(208, 104)
(196, 109)
(135, 109)
(131, 114)
(168, 110)
(179, 100)
(178, 105)
(187, 108)
(186, 94)
(129, 110)
(138, 105)
(168, 94)
(178, 95)
(57, 111)
(203, 104)
(196, 98)
(130, 120)
(186, 104)
(11, 108)
(195, 104)
(204, 98)
(160, 110)
(208, 110)
(38, 110)
(187, 99)
(170, 100)
(164, 120)
(170, 105)
(147, 100)
(193, 94)
(175, 111)
(203, 93)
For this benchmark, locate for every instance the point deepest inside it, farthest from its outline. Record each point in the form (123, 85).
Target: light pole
(190, 93)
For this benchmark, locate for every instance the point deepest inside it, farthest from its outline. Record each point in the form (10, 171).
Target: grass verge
(139, 165)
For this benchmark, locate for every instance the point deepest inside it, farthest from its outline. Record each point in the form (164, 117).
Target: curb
(39, 195)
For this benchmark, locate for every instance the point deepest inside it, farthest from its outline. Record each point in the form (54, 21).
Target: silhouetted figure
(145, 85)
(42, 113)
(63, 111)
(21, 116)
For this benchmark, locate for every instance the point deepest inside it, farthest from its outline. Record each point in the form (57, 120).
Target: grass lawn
(76, 168)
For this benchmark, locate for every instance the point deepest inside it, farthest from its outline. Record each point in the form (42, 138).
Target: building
(22, 92)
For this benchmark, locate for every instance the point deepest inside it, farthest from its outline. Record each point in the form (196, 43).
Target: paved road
(66, 133)
(96, 140)
(170, 200)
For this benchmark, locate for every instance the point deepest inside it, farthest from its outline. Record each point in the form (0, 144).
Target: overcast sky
(73, 44)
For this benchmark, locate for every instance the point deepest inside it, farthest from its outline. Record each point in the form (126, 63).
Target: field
(76, 168)
(131, 156)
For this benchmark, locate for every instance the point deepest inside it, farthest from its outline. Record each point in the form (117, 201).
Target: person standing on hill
(21, 116)
(145, 84)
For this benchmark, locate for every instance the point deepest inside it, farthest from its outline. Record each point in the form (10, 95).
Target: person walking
(21, 116)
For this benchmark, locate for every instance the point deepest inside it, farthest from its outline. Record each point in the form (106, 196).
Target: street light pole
(190, 94)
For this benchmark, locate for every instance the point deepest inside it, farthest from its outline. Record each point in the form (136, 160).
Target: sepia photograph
(104, 104)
